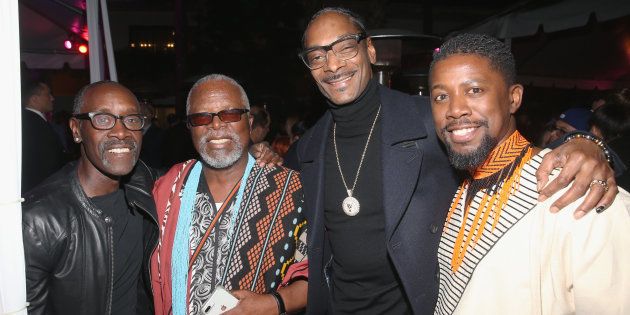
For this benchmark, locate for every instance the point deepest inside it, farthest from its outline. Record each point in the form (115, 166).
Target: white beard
(220, 158)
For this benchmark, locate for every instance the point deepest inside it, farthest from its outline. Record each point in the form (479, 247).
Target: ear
(251, 121)
(371, 50)
(516, 97)
(75, 127)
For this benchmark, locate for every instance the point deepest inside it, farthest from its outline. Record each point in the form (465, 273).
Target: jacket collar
(398, 127)
(137, 186)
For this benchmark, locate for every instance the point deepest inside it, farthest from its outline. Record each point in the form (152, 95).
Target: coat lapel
(312, 172)
(401, 156)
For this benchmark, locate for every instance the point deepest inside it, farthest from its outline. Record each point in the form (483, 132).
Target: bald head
(79, 99)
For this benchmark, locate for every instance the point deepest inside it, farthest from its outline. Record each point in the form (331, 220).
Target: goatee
(470, 161)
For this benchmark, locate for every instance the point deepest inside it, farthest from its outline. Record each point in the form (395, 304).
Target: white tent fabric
(45, 24)
(555, 16)
(12, 274)
(41, 39)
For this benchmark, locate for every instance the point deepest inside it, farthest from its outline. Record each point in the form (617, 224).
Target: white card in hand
(220, 301)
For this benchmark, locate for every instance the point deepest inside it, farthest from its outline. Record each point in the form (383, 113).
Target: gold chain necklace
(350, 204)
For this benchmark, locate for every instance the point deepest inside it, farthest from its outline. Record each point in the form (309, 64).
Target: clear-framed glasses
(205, 118)
(344, 48)
(106, 121)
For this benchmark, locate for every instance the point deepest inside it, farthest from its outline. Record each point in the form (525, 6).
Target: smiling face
(472, 107)
(340, 81)
(219, 144)
(112, 152)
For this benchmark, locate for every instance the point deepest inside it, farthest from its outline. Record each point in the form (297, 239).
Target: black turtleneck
(363, 277)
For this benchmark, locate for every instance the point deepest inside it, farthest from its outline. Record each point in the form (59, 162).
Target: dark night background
(257, 42)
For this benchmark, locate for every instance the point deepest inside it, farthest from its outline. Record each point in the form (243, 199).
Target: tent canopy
(568, 44)
(44, 26)
(525, 19)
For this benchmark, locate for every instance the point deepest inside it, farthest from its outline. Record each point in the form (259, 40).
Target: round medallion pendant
(351, 206)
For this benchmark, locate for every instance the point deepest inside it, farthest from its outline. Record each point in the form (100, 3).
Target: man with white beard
(224, 221)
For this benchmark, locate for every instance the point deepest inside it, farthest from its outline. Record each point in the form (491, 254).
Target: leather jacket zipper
(110, 236)
(137, 206)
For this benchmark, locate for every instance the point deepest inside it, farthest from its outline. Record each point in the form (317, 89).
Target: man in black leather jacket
(89, 229)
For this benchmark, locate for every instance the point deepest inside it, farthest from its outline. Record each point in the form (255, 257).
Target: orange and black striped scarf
(497, 178)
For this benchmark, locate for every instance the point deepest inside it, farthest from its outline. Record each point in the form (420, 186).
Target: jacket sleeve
(41, 251)
(299, 269)
(600, 260)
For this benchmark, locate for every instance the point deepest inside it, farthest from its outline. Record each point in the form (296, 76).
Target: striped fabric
(453, 285)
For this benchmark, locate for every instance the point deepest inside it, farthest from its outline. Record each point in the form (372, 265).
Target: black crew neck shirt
(363, 278)
(127, 236)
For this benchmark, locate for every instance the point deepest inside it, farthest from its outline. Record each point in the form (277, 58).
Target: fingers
(582, 173)
(257, 150)
(567, 173)
(269, 158)
(609, 196)
(240, 294)
(264, 155)
(591, 201)
(578, 189)
(601, 193)
(550, 161)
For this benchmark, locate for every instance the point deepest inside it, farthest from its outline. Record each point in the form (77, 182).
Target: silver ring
(603, 183)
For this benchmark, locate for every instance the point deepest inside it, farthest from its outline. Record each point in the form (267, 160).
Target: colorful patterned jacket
(270, 252)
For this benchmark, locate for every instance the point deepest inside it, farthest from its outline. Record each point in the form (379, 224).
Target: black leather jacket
(68, 244)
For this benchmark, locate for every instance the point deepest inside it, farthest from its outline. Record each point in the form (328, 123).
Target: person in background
(152, 138)
(288, 125)
(177, 146)
(281, 144)
(611, 122)
(570, 120)
(42, 151)
(260, 123)
(298, 130)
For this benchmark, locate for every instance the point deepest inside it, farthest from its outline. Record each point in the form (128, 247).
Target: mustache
(337, 76)
(109, 144)
(219, 134)
(465, 121)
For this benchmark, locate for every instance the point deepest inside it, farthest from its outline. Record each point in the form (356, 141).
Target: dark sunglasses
(227, 116)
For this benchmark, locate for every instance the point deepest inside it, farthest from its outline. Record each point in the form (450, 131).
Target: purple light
(437, 49)
(67, 43)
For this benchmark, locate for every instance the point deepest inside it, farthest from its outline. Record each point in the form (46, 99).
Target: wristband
(281, 309)
(594, 139)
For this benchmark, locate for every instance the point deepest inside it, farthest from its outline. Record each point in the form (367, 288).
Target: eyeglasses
(227, 116)
(344, 48)
(106, 121)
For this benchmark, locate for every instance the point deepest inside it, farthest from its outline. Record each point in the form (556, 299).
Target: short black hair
(356, 19)
(619, 97)
(31, 88)
(499, 54)
(612, 119)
